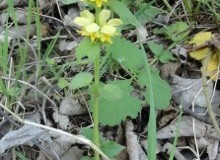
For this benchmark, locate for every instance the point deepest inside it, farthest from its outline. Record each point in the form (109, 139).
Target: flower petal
(104, 15)
(92, 28)
(87, 15)
(82, 22)
(99, 3)
(115, 22)
(106, 38)
(109, 30)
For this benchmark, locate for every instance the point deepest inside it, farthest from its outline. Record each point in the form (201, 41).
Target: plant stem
(96, 96)
(207, 97)
(96, 106)
(197, 7)
(170, 8)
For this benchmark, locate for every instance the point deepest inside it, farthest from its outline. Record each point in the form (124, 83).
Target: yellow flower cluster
(97, 28)
(199, 54)
(97, 2)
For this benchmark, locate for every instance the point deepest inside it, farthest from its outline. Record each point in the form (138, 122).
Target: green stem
(96, 96)
(170, 8)
(96, 107)
(207, 96)
(198, 6)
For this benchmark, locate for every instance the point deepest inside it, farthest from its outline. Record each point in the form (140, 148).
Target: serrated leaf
(126, 54)
(176, 31)
(62, 83)
(161, 89)
(162, 54)
(166, 56)
(81, 80)
(124, 13)
(157, 49)
(67, 2)
(114, 109)
(88, 49)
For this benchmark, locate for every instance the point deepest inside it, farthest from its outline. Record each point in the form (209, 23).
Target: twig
(77, 137)
(8, 118)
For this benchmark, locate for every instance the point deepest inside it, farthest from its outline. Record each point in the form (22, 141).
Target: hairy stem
(96, 96)
(96, 107)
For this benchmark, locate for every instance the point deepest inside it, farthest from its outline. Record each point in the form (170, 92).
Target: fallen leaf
(186, 129)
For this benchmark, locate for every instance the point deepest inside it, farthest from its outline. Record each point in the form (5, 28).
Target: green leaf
(162, 54)
(62, 83)
(147, 13)
(116, 107)
(126, 54)
(67, 2)
(110, 148)
(112, 91)
(157, 49)
(176, 31)
(88, 49)
(81, 80)
(50, 61)
(14, 91)
(88, 133)
(166, 56)
(87, 158)
(124, 13)
(20, 156)
(161, 89)
(151, 137)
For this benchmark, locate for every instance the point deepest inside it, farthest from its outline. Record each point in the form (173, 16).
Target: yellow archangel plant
(101, 28)
(97, 2)
(200, 41)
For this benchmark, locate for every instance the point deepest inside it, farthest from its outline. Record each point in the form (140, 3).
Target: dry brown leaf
(168, 147)
(62, 120)
(70, 106)
(212, 148)
(186, 129)
(132, 141)
(185, 90)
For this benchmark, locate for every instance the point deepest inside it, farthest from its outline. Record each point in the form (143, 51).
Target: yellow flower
(104, 29)
(199, 40)
(88, 26)
(108, 28)
(97, 2)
